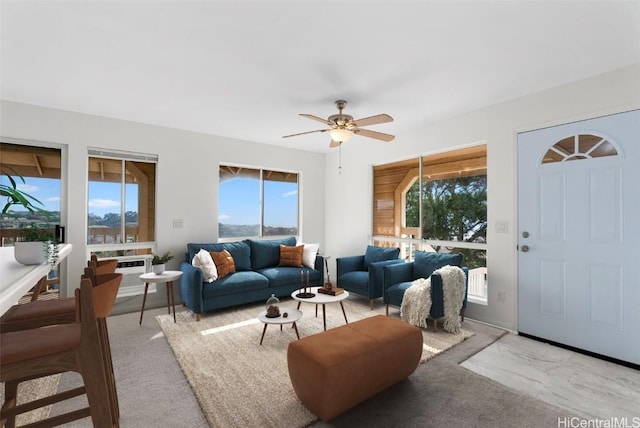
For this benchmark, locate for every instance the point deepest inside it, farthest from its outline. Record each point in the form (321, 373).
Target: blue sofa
(362, 274)
(398, 277)
(257, 275)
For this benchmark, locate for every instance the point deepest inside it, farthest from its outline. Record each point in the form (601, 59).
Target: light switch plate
(501, 226)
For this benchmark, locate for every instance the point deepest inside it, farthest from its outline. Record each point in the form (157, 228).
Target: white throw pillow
(204, 261)
(309, 254)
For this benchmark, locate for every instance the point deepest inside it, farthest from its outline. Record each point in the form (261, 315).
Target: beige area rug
(240, 383)
(33, 390)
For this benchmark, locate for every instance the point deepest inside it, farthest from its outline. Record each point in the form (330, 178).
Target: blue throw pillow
(425, 262)
(379, 254)
(241, 253)
(266, 253)
(193, 248)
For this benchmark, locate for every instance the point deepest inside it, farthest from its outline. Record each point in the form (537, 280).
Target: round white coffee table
(168, 276)
(322, 299)
(293, 315)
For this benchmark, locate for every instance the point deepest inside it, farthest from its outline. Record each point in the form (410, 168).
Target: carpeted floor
(222, 352)
(442, 393)
(33, 390)
(153, 392)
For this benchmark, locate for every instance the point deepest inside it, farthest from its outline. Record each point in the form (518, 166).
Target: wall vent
(131, 267)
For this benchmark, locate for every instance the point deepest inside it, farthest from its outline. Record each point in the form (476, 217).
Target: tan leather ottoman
(339, 368)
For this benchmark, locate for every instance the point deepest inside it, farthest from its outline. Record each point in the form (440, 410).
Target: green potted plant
(16, 196)
(158, 262)
(36, 247)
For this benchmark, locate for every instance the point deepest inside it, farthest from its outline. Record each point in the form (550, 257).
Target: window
(257, 202)
(40, 169)
(121, 200)
(436, 203)
(577, 147)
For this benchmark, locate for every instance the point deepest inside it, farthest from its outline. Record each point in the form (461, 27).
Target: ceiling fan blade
(374, 134)
(373, 120)
(303, 133)
(334, 143)
(319, 119)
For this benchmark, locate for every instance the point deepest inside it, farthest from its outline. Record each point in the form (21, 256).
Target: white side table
(293, 315)
(168, 276)
(323, 299)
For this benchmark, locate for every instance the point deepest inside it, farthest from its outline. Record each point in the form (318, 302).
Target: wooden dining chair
(40, 313)
(101, 280)
(76, 347)
(103, 266)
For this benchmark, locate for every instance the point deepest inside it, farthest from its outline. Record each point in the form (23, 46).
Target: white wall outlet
(178, 223)
(501, 226)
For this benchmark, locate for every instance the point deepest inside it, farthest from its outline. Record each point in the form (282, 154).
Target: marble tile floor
(587, 387)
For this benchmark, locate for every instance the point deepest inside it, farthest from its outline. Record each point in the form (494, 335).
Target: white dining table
(17, 279)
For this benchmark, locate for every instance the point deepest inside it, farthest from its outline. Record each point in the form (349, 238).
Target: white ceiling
(245, 69)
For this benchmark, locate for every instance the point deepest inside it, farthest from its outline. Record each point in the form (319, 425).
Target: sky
(103, 197)
(239, 202)
(239, 199)
(46, 190)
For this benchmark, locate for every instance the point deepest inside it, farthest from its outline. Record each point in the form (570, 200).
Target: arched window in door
(578, 147)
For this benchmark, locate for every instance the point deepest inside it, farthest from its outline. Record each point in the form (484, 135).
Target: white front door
(579, 235)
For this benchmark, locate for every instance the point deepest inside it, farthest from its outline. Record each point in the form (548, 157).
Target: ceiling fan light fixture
(340, 134)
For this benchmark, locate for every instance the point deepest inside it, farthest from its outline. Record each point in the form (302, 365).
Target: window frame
(122, 250)
(406, 237)
(261, 201)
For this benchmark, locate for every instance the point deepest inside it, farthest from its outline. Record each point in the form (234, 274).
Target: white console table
(17, 279)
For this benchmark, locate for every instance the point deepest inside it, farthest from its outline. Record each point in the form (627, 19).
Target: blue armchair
(397, 278)
(363, 274)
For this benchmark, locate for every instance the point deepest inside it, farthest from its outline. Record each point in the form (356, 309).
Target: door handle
(524, 248)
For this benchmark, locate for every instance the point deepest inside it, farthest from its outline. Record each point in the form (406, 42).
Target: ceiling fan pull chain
(340, 159)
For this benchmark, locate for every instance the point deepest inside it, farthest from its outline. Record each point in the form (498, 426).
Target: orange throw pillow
(224, 263)
(291, 256)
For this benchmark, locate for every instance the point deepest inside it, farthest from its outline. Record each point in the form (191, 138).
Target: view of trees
(113, 219)
(24, 219)
(251, 230)
(452, 210)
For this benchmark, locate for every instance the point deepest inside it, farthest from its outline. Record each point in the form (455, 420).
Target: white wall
(187, 174)
(349, 194)
(340, 217)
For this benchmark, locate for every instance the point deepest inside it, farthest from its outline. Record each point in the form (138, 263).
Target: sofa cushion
(378, 254)
(266, 253)
(291, 255)
(395, 292)
(235, 283)
(290, 276)
(358, 280)
(240, 251)
(204, 261)
(224, 262)
(425, 262)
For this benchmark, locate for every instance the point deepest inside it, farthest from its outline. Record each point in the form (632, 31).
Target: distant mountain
(244, 230)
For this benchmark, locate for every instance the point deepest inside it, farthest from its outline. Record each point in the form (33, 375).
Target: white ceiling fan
(343, 126)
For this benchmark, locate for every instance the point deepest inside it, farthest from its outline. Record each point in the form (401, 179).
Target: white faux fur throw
(453, 295)
(416, 302)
